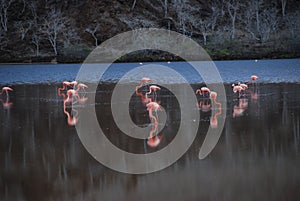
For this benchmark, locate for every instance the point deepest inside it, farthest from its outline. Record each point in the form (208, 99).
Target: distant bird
(6, 90)
(203, 91)
(252, 78)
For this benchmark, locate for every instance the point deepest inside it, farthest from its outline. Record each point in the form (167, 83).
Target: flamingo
(81, 86)
(6, 90)
(143, 81)
(252, 78)
(202, 91)
(71, 93)
(244, 86)
(145, 100)
(153, 88)
(6, 104)
(237, 88)
(65, 85)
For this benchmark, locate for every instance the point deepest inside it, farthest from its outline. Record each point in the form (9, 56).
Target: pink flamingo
(143, 81)
(244, 86)
(6, 104)
(81, 86)
(153, 141)
(145, 99)
(203, 91)
(6, 90)
(252, 78)
(153, 88)
(237, 88)
(214, 118)
(65, 85)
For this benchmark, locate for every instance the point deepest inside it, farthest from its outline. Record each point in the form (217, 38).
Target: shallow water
(256, 158)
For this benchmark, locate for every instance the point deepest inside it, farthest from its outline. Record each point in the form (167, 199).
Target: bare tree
(92, 30)
(249, 18)
(164, 4)
(292, 24)
(23, 27)
(133, 5)
(269, 23)
(70, 35)
(216, 12)
(205, 29)
(184, 12)
(36, 39)
(232, 8)
(4, 6)
(283, 6)
(53, 25)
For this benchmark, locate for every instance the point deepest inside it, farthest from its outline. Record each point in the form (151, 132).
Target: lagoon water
(256, 158)
(271, 71)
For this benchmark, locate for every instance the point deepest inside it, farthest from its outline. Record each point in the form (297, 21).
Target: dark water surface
(256, 158)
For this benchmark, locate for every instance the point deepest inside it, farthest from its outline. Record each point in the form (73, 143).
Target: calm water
(256, 158)
(231, 71)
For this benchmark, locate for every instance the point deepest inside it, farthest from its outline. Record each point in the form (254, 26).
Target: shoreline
(145, 61)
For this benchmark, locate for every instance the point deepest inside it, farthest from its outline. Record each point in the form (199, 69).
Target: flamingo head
(213, 95)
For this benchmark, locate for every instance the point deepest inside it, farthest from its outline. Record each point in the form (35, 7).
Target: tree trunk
(204, 38)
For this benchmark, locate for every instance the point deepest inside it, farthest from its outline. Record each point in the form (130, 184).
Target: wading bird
(6, 104)
(6, 90)
(202, 91)
(153, 88)
(252, 78)
(66, 84)
(237, 88)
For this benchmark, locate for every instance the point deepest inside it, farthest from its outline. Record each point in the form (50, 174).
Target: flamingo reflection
(238, 110)
(214, 118)
(153, 141)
